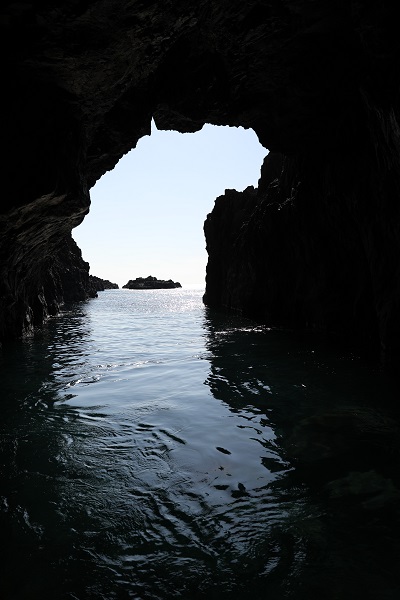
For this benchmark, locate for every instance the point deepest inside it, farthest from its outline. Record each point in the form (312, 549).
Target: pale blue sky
(147, 215)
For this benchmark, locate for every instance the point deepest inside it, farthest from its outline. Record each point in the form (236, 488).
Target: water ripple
(153, 450)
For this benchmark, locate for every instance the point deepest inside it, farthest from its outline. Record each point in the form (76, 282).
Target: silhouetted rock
(151, 283)
(102, 284)
(282, 254)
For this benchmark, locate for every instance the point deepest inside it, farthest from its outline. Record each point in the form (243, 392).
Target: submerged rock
(372, 489)
(344, 438)
(151, 283)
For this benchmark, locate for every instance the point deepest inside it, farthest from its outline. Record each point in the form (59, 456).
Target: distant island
(151, 283)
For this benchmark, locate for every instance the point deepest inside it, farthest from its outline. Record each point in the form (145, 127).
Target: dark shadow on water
(336, 421)
(34, 539)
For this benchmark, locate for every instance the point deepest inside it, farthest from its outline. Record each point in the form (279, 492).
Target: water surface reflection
(161, 451)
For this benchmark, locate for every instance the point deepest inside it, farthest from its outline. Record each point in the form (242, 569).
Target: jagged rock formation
(70, 273)
(151, 283)
(286, 256)
(102, 284)
(317, 81)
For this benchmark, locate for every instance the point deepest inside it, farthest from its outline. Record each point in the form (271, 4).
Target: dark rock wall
(318, 245)
(283, 255)
(72, 272)
(60, 277)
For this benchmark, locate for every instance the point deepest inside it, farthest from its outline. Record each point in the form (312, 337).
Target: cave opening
(147, 214)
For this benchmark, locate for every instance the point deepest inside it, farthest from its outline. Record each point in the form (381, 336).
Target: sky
(147, 214)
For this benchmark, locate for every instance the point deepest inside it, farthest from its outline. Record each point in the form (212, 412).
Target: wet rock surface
(316, 246)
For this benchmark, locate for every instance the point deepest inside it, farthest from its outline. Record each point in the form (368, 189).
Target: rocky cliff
(317, 245)
(291, 255)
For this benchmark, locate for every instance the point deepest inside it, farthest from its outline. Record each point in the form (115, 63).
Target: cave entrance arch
(147, 214)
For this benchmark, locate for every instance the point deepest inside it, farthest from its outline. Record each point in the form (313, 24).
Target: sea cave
(245, 442)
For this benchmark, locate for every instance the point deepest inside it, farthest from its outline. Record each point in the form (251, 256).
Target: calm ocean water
(152, 449)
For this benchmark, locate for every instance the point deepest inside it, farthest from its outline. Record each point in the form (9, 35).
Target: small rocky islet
(151, 283)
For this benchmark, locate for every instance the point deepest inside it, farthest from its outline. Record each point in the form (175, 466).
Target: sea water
(153, 449)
